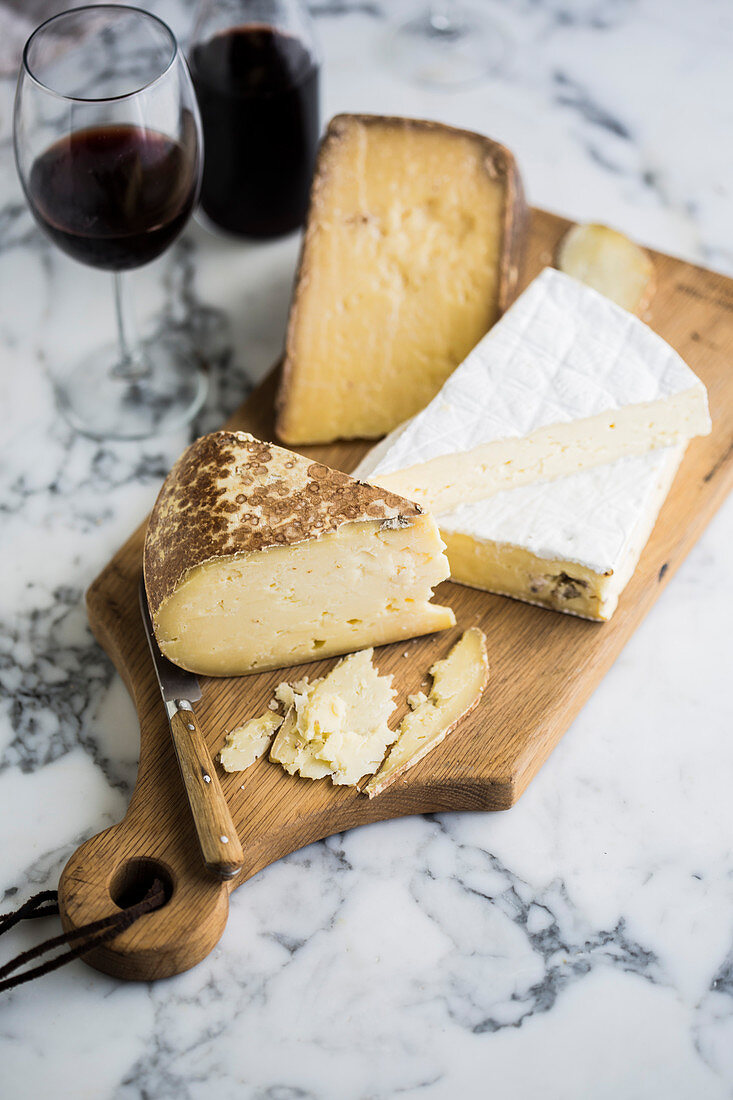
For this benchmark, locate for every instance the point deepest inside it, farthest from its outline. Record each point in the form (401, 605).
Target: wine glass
(255, 66)
(447, 44)
(108, 148)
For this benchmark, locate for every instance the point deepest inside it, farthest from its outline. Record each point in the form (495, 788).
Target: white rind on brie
(590, 518)
(564, 381)
(570, 545)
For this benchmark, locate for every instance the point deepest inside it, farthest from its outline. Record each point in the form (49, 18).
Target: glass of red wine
(255, 67)
(109, 153)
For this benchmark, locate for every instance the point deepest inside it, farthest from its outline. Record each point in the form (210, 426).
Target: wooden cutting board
(544, 667)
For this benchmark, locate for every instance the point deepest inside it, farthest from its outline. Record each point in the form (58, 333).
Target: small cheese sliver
(248, 742)
(337, 726)
(608, 261)
(458, 683)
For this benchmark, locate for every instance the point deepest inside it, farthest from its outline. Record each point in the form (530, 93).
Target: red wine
(114, 196)
(258, 94)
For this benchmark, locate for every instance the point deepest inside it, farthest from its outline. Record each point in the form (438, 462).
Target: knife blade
(217, 835)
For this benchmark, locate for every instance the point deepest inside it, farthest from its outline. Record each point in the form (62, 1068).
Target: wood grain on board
(544, 666)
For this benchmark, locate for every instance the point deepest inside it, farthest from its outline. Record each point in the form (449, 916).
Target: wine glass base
(103, 405)
(452, 51)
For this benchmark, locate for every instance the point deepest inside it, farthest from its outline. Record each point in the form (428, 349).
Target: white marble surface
(579, 946)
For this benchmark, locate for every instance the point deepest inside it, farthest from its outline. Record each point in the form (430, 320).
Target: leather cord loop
(79, 940)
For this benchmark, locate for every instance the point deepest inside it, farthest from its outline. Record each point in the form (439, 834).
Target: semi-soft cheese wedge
(258, 558)
(411, 252)
(337, 726)
(458, 683)
(564, 381)
(571, 544)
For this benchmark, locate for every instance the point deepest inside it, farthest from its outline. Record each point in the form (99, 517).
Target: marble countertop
(578, 946)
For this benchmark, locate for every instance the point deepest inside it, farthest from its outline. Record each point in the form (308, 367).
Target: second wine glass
(108, 148)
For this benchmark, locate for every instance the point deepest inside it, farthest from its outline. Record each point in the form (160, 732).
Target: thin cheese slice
(337, 726)
(411, 252)
(612, 264)
(458, 683)
(566, 380)
(257, 558)
(249, 742)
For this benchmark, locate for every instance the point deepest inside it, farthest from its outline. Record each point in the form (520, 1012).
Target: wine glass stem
(132, 364)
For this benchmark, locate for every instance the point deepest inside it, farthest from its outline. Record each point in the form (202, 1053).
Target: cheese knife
(215, 829)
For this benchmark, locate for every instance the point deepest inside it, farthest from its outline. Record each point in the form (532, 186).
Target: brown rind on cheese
(298, 423)
(230, 493)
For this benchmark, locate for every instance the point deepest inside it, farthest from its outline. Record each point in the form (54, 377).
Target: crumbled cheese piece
(337, 726)
(248, 742)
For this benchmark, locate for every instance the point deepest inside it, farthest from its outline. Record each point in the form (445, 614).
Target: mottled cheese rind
(459, 680)
(411, 252)
(257, 558)
(230, 493)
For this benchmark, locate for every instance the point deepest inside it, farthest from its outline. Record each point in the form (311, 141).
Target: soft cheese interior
(564, 381)
(367, 583)
(570, 544)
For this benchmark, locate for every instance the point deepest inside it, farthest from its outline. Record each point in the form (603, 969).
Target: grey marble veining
(579, 946)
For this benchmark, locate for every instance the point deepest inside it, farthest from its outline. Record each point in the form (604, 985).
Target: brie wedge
(571, 544)
(564, 381)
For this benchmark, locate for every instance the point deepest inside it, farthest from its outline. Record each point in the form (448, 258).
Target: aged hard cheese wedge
(337, 726)
(249, 742)
(571, 544)
(564, 381)
(258, 558)
(411, 253)
(458, 683)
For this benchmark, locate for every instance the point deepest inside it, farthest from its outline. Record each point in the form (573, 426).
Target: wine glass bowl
(108, 149)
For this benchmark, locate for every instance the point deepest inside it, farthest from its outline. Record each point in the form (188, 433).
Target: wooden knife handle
(215, 829)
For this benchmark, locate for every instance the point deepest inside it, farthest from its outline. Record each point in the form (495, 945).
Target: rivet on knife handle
(215, 829)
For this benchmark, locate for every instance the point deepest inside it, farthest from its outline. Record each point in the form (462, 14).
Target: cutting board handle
(112, 871)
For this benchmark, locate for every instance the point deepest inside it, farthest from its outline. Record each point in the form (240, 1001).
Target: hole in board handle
(133, 878)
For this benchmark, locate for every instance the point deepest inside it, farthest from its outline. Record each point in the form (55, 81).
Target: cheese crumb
(416, 700)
